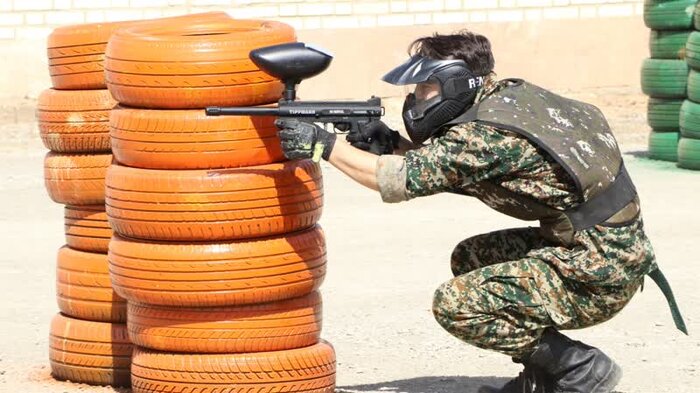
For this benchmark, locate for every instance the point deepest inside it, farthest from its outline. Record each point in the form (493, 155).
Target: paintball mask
(444, 89)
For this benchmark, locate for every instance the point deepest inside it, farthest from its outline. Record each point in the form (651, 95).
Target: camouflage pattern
(471, 153)
(301, 140)
(510, 285)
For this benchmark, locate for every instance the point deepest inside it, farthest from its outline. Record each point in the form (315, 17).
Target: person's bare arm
(358, 164)
(385, 173)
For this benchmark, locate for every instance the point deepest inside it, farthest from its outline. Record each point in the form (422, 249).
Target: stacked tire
(216, 245)
(689, 144)
(665, 74)
(88, 338)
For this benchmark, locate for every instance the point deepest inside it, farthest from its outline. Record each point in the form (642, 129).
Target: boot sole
(611, 379)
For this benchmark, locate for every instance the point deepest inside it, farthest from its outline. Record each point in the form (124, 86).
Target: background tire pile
(88, 339)
(216, 247)
(665, 74)
(689, 144)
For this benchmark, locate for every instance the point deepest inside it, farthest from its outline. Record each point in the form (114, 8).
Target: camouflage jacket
(469, 153)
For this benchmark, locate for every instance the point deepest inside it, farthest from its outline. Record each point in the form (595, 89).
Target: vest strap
(604, 205)
(665, 288)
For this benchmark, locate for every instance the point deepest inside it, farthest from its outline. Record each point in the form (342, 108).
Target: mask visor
(425, 96)
(417, 69)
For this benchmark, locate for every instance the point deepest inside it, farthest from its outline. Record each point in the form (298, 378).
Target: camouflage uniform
(511, 285)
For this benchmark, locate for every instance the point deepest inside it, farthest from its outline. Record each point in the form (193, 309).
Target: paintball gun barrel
(293, 63)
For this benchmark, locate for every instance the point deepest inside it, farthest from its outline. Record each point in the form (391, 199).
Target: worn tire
(665, 78)
(266, 327)
(694, 86)
(218, 274)
(304, 370)
(76, 179)
(690, 120)
(689, 153)
(83, 287)
(663, 114)
(96, 353)
(75, 121)
(668, 44)
(189, 139)
(669, 14)
(76, 53)
(663, 146)
(211, 205)
(87, 228)
(692, 50)
(145, 67)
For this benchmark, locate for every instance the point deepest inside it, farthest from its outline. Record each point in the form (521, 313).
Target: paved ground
(384, 263)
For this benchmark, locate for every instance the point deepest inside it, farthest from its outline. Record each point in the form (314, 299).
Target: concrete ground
(384, 263)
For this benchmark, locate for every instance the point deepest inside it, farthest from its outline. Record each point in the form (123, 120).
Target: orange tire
(84, 289)
(188, 139)
(180, 66)
(211, 205)
(276, 326)
(87, 228)
(96, 353)
(218, 274)
(76, 179)
(75, 121)
(76, 53)
(304, 370)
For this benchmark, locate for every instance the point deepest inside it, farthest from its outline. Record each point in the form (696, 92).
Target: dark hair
(474, 49)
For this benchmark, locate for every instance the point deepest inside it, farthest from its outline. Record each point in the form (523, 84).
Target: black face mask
(412, 123)
(424, 119)
(426, 126)
(457, 86)
(457, 90)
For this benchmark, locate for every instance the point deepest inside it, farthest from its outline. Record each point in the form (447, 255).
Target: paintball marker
(293, 63)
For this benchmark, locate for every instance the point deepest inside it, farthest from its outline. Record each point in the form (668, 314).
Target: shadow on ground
(427, 385)
(41, 375)
(638, 154)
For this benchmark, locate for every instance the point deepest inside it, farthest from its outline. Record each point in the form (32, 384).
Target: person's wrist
(328, 140)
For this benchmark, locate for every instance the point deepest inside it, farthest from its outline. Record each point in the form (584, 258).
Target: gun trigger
(342, 127)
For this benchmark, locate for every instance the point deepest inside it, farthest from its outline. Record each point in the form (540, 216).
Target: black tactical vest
(577, 136)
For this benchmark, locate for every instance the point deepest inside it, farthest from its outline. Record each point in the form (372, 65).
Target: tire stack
(689, 145)
(216, 247)
(88, 338)
(665, 74)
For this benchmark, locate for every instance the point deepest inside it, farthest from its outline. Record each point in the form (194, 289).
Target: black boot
(530, 380)
(572, 366)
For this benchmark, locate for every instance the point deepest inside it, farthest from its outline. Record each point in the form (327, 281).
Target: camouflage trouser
(511, 285)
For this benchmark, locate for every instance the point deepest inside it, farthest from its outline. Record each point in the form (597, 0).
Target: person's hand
(375, 137)
(302, 140)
